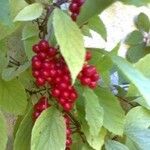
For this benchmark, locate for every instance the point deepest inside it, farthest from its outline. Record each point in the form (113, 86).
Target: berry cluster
(39, 107)
(68, 132)
(49, 67)
(75, 8)
(89, 75)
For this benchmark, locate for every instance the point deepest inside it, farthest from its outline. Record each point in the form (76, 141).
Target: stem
(78, 126)
(125, 100)
(49, 10)
(35, 92)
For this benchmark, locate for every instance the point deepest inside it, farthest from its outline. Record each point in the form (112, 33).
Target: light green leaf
(114, 117)
(136, 2)
(114, 145)
(23, 135)
(28, 43)
(96, 142)
(12, 96)
(3, 132)
(138, 117)
(30, 12)
(97, 25)
(49, 131)
(143, 66)
(134, 38)
(92, 8)
(70, 40)
(131, 145)
(4, 15)
(139, 136)
(94, 112)
(140, 81)
(142, 22)
(10, 73)
(30, 30)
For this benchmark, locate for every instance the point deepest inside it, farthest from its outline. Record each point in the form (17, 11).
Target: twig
(35, 92)
(78, 126)
(125, 100)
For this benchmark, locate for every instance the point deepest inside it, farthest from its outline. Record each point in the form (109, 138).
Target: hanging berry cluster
(68, 132)
(75, 7)
(40, 106)
(49, 68)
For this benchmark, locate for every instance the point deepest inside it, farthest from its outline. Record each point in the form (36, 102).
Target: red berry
(40, 81)
(36, 114)
(65, 94)
(56, 92)
(43, 45)
(85, 80)
(68, 142)
(74, 16)
(35, 73)
(42, 55)
(36, 64)
(80, 2)
(52, 52)
(36, 48)
(67, 107)
(93, 85)
(74, 8)
(89, 71)
(46, 73)
(88, 55)
(95, 77)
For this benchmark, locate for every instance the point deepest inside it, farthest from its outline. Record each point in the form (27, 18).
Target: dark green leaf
(97, 25)
(92, 8)
(142, 22)
(134, 38)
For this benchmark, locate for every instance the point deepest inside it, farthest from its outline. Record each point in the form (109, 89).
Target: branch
(78, 126)
(35, 92)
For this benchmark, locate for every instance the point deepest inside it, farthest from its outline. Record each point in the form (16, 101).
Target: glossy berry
(74, 8)
(40, 106)
(40, 81)
(43, 45)
(88, 56)
(36, 48)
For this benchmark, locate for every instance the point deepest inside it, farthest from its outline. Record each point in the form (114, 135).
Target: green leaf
(134, 38)
(96, 142)
(138, 117)
(141, 137)
(136, 52)
(140, 81)
(114, 145)
(3, 131)
(12, 97)
(30, 36)
(4, 15)
(29, 31)
(10, 73)
(142, 22)
(49, 131)
(23, 135)
(97, 25)
(143, 66)
(92, 8)
(131, 145)
(114, 117)
(136, 2)
(30, 12)
(94, 112)
(3, 52)
(70, 40)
